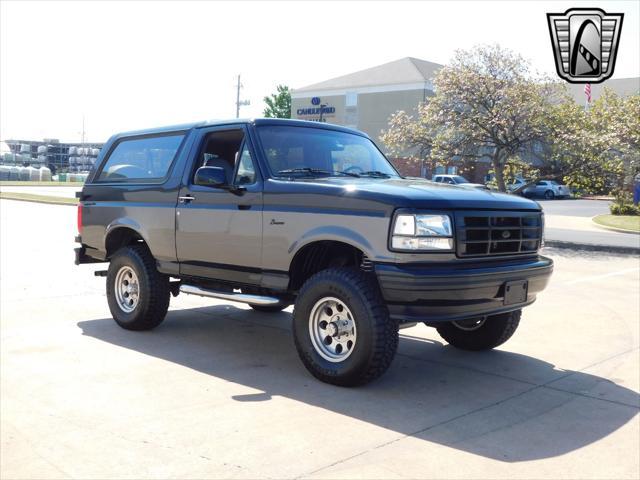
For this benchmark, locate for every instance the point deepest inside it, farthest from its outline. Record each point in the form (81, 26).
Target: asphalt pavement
(217, 391)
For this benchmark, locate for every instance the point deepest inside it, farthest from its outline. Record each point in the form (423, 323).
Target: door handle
(186, 199)
(244, 207)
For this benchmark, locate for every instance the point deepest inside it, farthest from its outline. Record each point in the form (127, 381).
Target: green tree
(487, 103)
(279, 103)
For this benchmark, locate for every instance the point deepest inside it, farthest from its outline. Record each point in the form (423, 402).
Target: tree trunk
(497, 168)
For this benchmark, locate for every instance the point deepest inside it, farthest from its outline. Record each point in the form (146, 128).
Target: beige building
(366, 99)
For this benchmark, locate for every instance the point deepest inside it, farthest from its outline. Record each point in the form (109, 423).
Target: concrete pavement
(217, 391)
(569, 222)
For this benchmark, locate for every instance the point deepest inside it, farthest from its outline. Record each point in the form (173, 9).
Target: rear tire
(137, 293)
(342, 328)
(485, 335)
(549, 195)
(270, 308)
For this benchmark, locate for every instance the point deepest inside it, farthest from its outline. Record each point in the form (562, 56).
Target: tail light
(79, 218)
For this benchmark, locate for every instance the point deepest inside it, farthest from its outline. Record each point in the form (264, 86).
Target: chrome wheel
(127, 289)
(332, 329)
(471, 324)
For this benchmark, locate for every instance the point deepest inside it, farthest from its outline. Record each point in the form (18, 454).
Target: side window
(439, 179)
(145, 159)
(220, 148)
(542, 184)
(246, 173)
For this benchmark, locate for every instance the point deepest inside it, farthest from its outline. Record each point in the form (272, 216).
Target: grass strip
(630, 223)
(15, 183)
(30, 197)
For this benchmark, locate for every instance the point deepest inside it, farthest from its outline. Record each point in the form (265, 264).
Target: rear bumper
(81, 254)
(446, 292)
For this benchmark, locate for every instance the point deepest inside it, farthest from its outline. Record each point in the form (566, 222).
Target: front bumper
(446, 292)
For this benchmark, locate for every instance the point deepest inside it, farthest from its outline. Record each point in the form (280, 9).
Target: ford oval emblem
(315, 101)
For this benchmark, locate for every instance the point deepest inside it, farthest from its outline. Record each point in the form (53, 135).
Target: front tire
(479, 334)
(549, 195)
(342, 328)
(138, 295)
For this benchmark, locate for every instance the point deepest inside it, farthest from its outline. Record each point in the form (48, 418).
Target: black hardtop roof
(238, 121)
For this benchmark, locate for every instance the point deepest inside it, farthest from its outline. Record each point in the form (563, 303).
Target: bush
(623, 205)
(626, 209)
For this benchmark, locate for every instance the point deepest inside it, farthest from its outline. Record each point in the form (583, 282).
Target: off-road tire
(496, 330)
(270, 308)
(154, 290)
(377, 333)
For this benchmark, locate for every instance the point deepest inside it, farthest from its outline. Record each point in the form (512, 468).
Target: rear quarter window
(142, 159)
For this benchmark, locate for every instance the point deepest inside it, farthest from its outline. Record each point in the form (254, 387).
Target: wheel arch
(120, 234)
(319, 254)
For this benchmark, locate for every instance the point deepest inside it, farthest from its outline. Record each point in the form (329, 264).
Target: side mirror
(210, 177)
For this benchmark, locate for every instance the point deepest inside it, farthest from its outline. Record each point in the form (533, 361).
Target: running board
(234, 297)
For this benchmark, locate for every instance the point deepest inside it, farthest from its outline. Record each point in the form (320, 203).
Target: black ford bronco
(279, 212)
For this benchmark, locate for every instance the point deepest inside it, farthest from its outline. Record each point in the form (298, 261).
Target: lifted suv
(280, 212)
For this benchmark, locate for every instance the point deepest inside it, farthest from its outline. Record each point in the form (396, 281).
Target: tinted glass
(246, 174)
(288, 148)
(142, 159)
(459, 179)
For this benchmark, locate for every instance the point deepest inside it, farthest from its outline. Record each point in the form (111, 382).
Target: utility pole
(239, 103)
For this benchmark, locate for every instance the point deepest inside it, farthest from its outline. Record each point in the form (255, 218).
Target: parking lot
(217, 391)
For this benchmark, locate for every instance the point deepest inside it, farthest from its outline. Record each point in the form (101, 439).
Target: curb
(592, 247)
(45, 202)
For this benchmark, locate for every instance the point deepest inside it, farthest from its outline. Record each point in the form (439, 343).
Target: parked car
(276, 212)
(458, 180)
(548, 189)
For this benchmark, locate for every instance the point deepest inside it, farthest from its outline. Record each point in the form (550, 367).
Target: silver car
(458, 180)
(548, 189)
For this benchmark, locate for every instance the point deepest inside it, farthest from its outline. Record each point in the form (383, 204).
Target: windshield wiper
(375, 173)
(314, 171)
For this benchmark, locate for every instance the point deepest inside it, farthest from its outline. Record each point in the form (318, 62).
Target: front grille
(480, 234)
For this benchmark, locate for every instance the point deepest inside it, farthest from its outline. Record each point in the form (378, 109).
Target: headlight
(422, 232)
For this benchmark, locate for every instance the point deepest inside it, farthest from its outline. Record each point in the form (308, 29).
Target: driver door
(218, 230)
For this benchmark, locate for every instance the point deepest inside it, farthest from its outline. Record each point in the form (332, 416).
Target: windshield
(459, 179)
(308, 151)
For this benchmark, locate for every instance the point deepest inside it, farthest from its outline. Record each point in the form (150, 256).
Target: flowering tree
(487, 103)
(597, 149)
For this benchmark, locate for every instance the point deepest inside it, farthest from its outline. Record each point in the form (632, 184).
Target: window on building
(351, 99)
(146, 159)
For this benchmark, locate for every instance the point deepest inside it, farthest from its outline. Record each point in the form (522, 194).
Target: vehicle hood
(418, 193)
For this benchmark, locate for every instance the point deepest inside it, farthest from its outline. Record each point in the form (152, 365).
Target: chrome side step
(234, 297)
